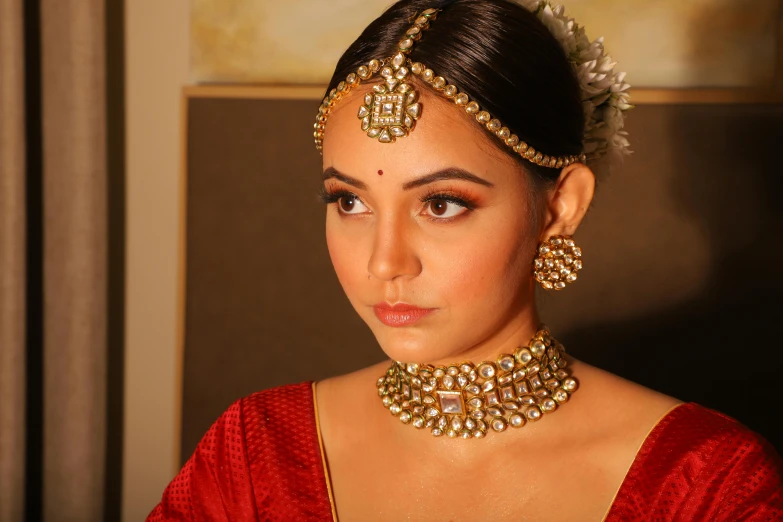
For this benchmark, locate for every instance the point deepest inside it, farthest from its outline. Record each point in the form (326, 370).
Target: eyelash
(450, 195)
(333, 196)
(329, 196)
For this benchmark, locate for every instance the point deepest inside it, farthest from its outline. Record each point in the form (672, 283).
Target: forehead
(444, 136)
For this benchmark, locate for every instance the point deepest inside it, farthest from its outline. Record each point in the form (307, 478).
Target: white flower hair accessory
(605, 96)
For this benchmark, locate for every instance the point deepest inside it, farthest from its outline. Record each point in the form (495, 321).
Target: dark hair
(501, 55)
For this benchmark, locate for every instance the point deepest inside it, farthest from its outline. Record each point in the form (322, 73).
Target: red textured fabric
(261, 460)
(698, 464)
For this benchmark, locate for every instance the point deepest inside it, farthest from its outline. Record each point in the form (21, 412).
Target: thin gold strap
(323, 457)
(636, 454)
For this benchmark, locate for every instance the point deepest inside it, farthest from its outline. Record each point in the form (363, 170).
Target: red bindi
(380, 173)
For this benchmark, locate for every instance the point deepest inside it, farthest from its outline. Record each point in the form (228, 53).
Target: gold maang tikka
(392, 109)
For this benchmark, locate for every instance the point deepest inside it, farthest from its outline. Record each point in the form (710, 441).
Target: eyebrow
(440, 175)
(332, 172)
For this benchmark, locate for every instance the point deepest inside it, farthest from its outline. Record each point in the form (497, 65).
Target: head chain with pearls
(390, 111)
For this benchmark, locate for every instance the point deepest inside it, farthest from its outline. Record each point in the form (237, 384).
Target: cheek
(482, 267)
(485, 268)
(345, 251)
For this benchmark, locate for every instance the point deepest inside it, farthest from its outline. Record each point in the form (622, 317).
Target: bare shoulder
(350, 386)
(615, 416)
(348, 407)
(622, 400)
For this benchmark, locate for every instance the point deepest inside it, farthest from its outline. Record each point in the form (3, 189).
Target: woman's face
(432, 237)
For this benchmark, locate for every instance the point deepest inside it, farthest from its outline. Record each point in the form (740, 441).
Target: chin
(412, 344)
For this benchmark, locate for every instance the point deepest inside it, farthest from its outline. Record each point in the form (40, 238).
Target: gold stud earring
(557, 261)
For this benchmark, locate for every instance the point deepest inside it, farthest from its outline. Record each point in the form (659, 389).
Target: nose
(393, 254)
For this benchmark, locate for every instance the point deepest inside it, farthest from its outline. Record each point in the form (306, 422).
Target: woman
(453, 194)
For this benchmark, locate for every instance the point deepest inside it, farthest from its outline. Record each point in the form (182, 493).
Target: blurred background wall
(208, 107)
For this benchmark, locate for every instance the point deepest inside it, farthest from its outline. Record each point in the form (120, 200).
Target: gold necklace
(466, 400)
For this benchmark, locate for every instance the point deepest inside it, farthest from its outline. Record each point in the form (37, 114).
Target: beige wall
(156, 69)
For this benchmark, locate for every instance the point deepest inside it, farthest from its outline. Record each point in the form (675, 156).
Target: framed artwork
(687, 43)
(680, 51)
(256, 41)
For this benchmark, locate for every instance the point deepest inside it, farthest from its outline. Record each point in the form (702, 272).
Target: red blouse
(262, 460)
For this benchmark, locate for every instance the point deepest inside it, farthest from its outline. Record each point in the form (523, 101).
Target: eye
(443, 208)
(351, 204)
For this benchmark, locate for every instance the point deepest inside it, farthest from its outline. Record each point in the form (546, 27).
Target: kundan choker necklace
(466, 400)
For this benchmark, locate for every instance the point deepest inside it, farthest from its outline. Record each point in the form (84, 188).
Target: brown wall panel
(264, 306)
(680, 291)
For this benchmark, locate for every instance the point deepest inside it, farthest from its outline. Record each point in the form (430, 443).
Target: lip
(400, 314)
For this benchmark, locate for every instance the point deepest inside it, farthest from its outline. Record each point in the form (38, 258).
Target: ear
(568, 202)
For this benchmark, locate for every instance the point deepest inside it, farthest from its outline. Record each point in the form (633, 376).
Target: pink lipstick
(400, 314)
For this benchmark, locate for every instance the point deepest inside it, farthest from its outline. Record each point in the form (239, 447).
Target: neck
(516, 332)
